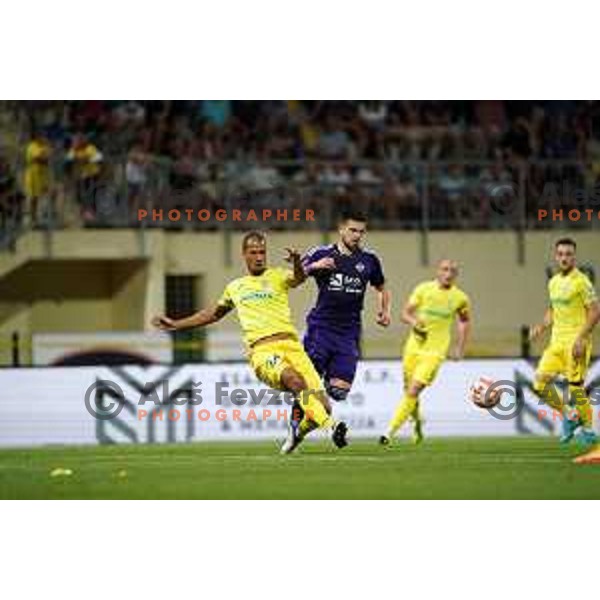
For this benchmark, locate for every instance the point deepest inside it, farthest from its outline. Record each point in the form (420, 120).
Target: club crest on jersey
(360, 267)
(273, 361)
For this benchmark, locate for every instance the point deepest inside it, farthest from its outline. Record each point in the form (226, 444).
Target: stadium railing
(424, 196)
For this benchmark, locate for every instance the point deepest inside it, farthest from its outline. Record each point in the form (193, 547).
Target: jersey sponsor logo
(438, 312)
(338, 282)
(256, 295)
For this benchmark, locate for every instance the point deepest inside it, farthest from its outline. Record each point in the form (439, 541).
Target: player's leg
(317, 349)
(418, 424)
(580, 401)
(409, 401)
(416, 415)
(554, 362)
(271, 367)
(420, 372)
(324, 352)
(405, 408)
(341, 370)
(302, 379)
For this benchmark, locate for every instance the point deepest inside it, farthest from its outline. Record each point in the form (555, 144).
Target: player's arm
(203, 317)
(313, 262)
(592, 317)
(384, 306)
(535, 331)
(409, 316)
(409, 313)
(298, 275)
(384, 299)
(463, 332)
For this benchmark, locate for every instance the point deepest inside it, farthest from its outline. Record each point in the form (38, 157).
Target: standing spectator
(136, 175)
(37, 175)
(85, 161)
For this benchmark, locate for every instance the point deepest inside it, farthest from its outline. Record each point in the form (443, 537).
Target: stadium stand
(75, 174)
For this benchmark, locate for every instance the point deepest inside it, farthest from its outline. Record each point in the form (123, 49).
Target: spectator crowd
(393, 156)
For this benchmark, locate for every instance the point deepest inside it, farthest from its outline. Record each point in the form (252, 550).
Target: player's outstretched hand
(163, 323)
(578, 348)
(536, 331)
(292, 255)
(420, 329)
(383, 319)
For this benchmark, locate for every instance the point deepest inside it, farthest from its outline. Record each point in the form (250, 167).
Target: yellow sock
(406, 407)
(415, 415)
(581, 403)
(314, 411)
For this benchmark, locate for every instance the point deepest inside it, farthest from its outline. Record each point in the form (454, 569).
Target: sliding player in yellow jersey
(572, 315)
(272, 342)
(431, 311)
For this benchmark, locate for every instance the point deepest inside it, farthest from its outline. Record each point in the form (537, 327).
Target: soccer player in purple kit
(342, 272)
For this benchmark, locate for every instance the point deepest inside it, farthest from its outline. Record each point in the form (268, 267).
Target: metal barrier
(396, 195)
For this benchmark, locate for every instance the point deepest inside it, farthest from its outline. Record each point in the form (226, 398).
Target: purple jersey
(342, 289)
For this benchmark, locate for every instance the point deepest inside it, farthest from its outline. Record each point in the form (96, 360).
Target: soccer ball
(481, 395)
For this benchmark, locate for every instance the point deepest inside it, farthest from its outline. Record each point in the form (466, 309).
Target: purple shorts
(333, 355)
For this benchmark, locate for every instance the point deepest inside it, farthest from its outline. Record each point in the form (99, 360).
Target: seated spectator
(262, 175)
(216, 112)
(373, 113)
(334, 142)
(453, 182)
(336, 176)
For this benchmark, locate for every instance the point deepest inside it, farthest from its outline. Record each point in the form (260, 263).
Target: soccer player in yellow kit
(431, 311)
(573, 312)
(272, 342)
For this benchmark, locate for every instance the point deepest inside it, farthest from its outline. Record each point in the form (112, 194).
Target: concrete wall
(106, 280)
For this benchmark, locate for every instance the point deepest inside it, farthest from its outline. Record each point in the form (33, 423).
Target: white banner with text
(188, 403)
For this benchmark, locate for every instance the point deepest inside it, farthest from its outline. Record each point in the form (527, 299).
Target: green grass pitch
(525, 467)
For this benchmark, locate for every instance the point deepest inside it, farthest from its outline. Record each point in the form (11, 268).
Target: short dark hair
(353, 215)
(253, 236)
(566, 241)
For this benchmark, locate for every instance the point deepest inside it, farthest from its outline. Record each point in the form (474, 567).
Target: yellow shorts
(557, 359)
(270, 359)
(421, 367)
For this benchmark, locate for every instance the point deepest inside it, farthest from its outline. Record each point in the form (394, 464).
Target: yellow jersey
(87, 160)
(437, 307)
(262, 304)
(570, 296)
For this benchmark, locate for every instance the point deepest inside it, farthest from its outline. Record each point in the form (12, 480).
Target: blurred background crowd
(410, 164)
